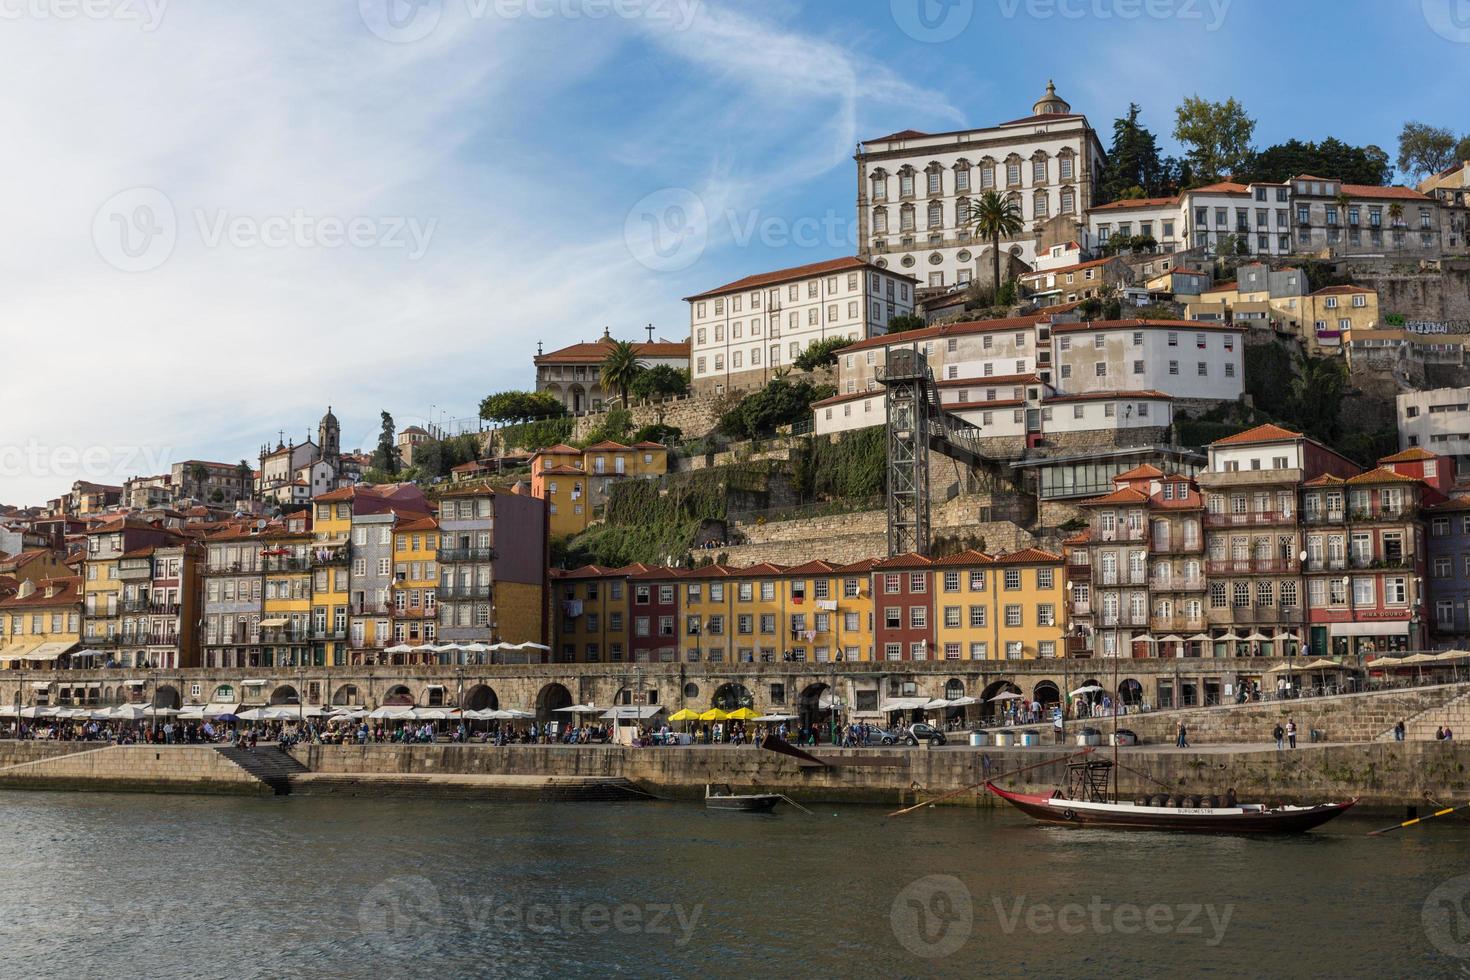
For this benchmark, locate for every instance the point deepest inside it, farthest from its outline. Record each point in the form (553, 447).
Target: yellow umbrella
(713, 714)
(743, 714)
(684, 714)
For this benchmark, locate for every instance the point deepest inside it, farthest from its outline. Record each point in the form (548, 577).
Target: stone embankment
(126, 768)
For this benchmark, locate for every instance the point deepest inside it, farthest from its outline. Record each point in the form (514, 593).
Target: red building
(903, 624)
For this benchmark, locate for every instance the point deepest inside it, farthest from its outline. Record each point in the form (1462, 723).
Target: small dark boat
(722, 797)
(1085, 806)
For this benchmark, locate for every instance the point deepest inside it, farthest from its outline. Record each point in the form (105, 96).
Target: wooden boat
(722, 797)
(1084, 805)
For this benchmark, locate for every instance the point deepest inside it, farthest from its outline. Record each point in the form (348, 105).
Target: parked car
(923, 733)
(879, 736)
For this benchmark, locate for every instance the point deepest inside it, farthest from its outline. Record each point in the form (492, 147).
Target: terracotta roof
(844, 264)
(970, 556)
(1331, 290)
(1197, 325)
(1325, 480)
(866, 565)
(814, 567)
(1387, 193)
(560, 449)
(1222, 287)
(1071, 268)
(982, 381)
(566, 471)
(1141, 202)
(69, 593)
(1145, 472)
(1414, 454)
(902, 134)
(419, 524)
(1085, 396)
(1123, 495)
(415, 430)
(586, 571)
(910, 560)
(1452, 504)
(1028, 556)
(607, 445)
(1043, 117)
(1222, 187)
(1261, 433)
(850, 396)
(1081, 537)
(650, 445)
(595, 352)
(1382, 475)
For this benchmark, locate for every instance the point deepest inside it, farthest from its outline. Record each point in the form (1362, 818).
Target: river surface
(182, 886)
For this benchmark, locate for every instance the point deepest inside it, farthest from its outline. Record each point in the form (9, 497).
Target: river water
(185, 886)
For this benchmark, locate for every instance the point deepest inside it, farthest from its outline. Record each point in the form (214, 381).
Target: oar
(1410, 823)
(989, 779)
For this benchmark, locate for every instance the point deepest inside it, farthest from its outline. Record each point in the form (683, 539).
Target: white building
(1158, 218)
(744, 331)
(1437, 420)
(915, 190)
(1182, 358)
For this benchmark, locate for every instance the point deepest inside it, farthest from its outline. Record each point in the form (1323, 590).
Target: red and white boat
(1238, 818)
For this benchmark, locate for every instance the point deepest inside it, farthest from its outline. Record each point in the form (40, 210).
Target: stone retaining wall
(134, 768)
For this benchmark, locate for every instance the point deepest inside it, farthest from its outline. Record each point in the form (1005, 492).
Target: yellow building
(41, 624)
(1030, 592)
(330, 574)
(576, 483)
(415, 584)
(286, 604)
(1329, 315)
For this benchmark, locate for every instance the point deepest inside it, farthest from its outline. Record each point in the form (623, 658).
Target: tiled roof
(560, 449)
(970, 556)
(1042, 117)
(1197, 325)
(1222, 287)
(1071, 268)
(1123, 495)
(1145, 472)
(947, 330)
(607, 445)
(902, 134)
(1085, 396)
(910, 560)
(69, 593)
(1338, 290)
(1261, 433)
(420, 524)
(1382, 475)
(1140, 202)
(1386, 193)
(1414, 454)
(595, 352)
(1028, 556)
(1222, 187)
(844, 264)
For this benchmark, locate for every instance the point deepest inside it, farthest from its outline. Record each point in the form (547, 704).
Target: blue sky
(223, 217)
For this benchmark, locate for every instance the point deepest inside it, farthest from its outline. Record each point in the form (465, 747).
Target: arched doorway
(730, 696)
(550, 698)
(481, 697)
(346, 695)
(399, 696)
(1130, 692)
(996, 701)
(817, 707)
(1046, 694)
(955, 715)
(166, 696)
(285, 694)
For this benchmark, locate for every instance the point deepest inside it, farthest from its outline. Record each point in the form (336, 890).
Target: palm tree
(1395, 215)
(619, 368)
(1343, 200)
(995, 216)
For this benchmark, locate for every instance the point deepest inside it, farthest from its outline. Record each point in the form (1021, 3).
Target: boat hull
(754, 803)
(1231, 820)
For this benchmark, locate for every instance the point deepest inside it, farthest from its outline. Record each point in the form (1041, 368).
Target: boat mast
(1117, 703)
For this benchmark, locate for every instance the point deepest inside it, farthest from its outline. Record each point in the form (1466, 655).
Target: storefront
(1351, 639)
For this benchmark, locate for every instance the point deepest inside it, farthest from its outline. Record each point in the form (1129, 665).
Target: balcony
(1081, 609)
(284, 634)
(1249, 566)
(1177, 583)
(323, 557)
(447, 555)
(276, 563)
(1122, 619)
(1122, 578)
(1256, 615)
(1123, 534)
(134, 605)
(100, 641)
(328, 633)
(370, 608)
(238, 639)
(1254, 518)
(416, 612)
(231, 568)
(1177, 546)
(1177, 624)
(463, 591)
(1320, 517)
(1379, 515)
(1326, 564)
(131, 571)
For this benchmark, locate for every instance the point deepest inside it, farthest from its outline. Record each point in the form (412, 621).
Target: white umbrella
(63, 713)
(192, 713)
(1011, 696)
(1171, 638)
(1200, 638)
(479, 647)
(1258, 636)
(7, 711)
(158, 712)
(129, 712)
(1087, 689)
(400, 648)
(430, 714)
(528, 645)
(963, 701)
(775, 718)
(936, 704)
(395, 711)
(514, 713)
(253, 714)
(1143, 638)
(1231, 635)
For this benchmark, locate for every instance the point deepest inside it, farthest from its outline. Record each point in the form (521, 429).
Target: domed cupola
(1051, 104)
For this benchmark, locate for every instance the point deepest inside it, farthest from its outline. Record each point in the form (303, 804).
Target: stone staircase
(268, 764)
(1422, 727)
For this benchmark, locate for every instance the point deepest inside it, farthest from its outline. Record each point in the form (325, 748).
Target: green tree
(386, 458)
(660, 381)
(905, 322)
(246, 475)
(1316, 396)
(782, 402)
(1134, 168)
(620, 369)
(1426, 149)
(199, 473)
(820, 353)
(996, 216)
(521, 406)
(1217, 136)
(1329, 158)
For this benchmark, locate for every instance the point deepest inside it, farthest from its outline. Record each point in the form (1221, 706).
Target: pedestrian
(1398, 732)
(1291, 732)
(1181, 738)
(1278, 733)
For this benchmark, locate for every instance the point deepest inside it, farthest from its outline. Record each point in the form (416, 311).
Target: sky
(222, 218)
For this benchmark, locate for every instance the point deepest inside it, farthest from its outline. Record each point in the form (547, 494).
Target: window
(1013, 615)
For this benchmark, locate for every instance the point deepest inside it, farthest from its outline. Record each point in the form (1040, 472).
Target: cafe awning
(17, 653)
(51, 650)
(1370, 629)
(903, 704)
(281, 621)
(633, 712)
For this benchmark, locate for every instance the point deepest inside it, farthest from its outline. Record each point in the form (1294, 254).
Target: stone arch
(346, 694)
(954, 688)
(548, 699)
(816, 705)
(1130, 691)
(481, 697)
(691, 691)
(1046, 693)
(732, 695)
(400, 695)
(167, 696)
(577, 400)
(990, 708)
(224, 694)
(1096, 696)
(107, 695)
(285, 694)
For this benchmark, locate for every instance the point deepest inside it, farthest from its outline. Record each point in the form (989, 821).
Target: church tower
(329, 438)
(1050, 104)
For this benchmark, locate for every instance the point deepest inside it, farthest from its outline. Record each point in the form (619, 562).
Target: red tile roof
(1028, 556)
(607, 445)
(595, 352)
(1140, 202)
(1145, 472)
(947, 330)
(1042, 117)
(910, 561)
(1071, 268)
(1337, 290)
(1123, 495)
(1386, 193)
(1222, 187)
(1083, 325)
(844, 264)
(970, 556)
(1414, 454)
(902, 134)
(1259, 434)
(1382, 475)
(1086, 396)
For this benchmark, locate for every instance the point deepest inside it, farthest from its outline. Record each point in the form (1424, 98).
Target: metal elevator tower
(917, 424)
